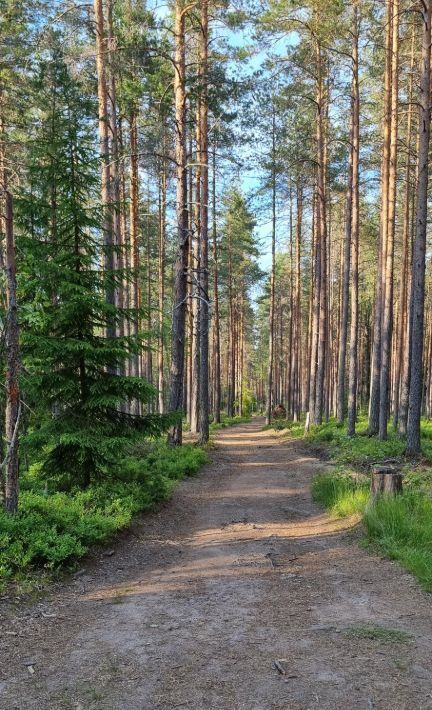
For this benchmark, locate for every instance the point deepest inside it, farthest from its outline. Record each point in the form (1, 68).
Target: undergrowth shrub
(52, 529)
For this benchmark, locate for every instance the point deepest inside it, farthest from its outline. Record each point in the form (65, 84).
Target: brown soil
(239, 570)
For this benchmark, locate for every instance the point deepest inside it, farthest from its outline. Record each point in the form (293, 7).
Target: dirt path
(240, 569)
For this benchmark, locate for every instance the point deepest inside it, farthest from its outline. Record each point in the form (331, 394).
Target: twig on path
(279, 667)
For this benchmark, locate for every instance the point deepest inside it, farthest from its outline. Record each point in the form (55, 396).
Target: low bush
(53, 529)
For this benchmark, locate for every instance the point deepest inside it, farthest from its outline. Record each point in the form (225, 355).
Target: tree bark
(346, 265)
(374, 400)
(13, 406)
(387, 321)
(104, 148)
(322, 239)
(181, 262)
(419, 251)
(216, 322)
(161, 277)
(135, 291)
(353, 352)
(297, 307)
(403, 323)
(196, 299)
(272, 277)
(204, 198)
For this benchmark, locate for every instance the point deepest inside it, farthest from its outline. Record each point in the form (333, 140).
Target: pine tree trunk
(3, 186)
(104, 148)
(190, 286)
(135, 291)
(196, 288)
(297, 308)
(322, 237)
(181, 263)
(272, 278)
(403, 289)
(314, 312)
(149, 337)
(346, 265)
(353, 351)
(161, 278)
(114, 158)
(387, 321)
(419, 251)
(13, 405)
(231, 356)
(217, 356)
(374, 401)
(204, 196)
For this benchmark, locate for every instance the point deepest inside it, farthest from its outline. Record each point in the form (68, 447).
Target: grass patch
(340, 494)
(381, 634)
(360, 451)
(229, 421)
(294, 428)
(53, 529)
(400, 527)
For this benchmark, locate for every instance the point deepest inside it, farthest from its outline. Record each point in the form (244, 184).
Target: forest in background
(208, 211)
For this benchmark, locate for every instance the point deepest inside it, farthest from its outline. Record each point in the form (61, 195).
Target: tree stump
(279, 412)
(385, 479)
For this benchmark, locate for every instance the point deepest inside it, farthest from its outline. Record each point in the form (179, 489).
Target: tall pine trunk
(204, 197)
(161, 278)
(346, 264)
(181, 262)
(272, 279)
(374, 400)
(322, 240)
(355, 223)
(104, 148)
(403, 322)
(387, 313)
(216, 322)
(135, 291)
(419, 250)
(10, 465)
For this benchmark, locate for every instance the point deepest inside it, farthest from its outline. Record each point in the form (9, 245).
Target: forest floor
(239, 593)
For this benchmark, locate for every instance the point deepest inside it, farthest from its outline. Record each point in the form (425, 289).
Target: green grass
(53, 529)
(381, 634)
(229, 421)
(340, 494)
(294, 428)
(361, 451)
(399, 527)
(402, 528)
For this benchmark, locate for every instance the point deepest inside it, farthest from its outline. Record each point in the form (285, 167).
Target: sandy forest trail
(238, 570)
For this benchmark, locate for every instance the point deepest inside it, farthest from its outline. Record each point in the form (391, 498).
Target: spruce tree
(72, 366)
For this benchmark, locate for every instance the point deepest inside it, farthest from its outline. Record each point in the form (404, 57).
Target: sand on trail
(201, 597)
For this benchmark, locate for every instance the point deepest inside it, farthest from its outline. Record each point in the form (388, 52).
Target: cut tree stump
(386, 479)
